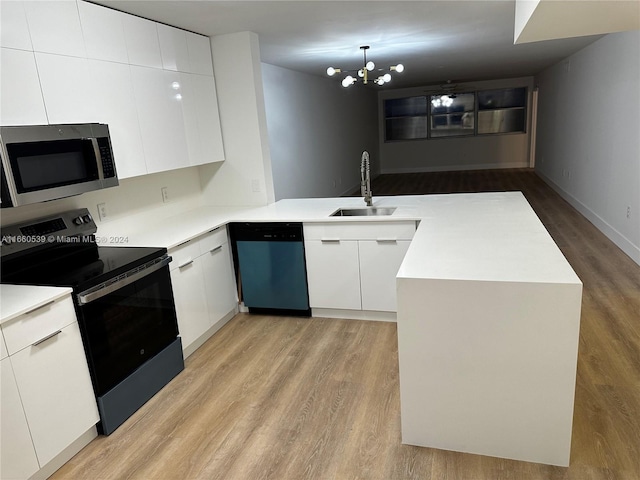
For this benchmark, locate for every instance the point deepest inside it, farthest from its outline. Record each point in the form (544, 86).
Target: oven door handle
(125, 279)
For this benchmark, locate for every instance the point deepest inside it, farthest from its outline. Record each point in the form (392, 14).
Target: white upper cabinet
(55, 27)
(208, 119)
(103, 32)
(73, 62)
(143, 46)
(159, 105)
(21, 100)
(67, 89)
(116, 106)
(173, 47)
(199, 48)
(14, 31)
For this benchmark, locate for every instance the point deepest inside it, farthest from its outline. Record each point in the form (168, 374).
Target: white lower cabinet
(56, 391)
(203, 287)
(379, 264)
(333, 274)
(353, 266)
(219, 281)
(17, 456)
(190, 297)
(47, 397)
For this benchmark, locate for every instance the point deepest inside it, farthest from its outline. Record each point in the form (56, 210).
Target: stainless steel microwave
(47, 162)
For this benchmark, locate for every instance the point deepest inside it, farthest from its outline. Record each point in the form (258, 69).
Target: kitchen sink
(363, 212)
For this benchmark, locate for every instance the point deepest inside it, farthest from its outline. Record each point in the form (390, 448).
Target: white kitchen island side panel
(489, 367)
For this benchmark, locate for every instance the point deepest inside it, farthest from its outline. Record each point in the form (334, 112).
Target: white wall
(588, 143)
(317, 132)
(461, 153)
(244, 178)
(126, 204)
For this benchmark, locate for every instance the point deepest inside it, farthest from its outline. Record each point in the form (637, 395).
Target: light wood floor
(288, 398)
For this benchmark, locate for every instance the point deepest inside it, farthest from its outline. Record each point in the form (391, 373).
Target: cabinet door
(158, 101)
(379, 264)
(219, 282)
(201, 119)
(208, 118)
(191, 301)
(56, 391)
(200, 60)
(14, 31)
(117, 108)
(67, 89)
(141, 36)
(103, 32)
(333, 274)
(17, 456)
(55, 27)
(173, 47)
(21, 101)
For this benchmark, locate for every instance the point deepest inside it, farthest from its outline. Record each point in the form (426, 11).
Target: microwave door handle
(100, 291)
(96, 151)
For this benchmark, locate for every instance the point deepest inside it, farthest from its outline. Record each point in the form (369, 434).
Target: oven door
(126, 322)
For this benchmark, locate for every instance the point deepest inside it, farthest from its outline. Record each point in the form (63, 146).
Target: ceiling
(435, 40)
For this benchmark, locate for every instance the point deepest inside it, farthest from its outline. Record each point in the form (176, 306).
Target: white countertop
(16, 300)
(476, 236)
(467, 237)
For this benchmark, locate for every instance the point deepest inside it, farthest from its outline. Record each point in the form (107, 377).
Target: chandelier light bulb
(331, 71)
(348, 81)
(386, 77)
(361, 73)
(398, 68)
(370, 65)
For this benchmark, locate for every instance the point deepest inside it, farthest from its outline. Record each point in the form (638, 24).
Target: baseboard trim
(354, 314)
(622, 242)
(456, 168)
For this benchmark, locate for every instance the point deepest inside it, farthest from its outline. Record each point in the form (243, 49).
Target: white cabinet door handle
(217, 249)
(46, 338)
(386, 240)
(330, 240)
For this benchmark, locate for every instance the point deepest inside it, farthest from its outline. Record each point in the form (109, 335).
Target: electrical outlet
(165, 194)
(102, 211)
(628, 211)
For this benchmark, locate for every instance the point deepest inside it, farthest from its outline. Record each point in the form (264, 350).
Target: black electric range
(123, 299)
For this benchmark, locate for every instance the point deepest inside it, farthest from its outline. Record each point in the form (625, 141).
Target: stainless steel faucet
(365, 179)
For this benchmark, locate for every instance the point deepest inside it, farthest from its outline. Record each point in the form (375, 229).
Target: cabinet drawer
(38, 324)
(360, 231)
(213, 240)
(56, 392)
(184, 254)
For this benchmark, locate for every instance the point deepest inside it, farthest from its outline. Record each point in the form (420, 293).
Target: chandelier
(364, 72)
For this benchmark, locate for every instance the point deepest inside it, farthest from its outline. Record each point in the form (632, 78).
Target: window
(406, 118)
(484, 112)
(501, 111)
(452, 114)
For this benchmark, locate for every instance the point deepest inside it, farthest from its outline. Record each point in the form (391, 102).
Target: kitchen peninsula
(488, 313)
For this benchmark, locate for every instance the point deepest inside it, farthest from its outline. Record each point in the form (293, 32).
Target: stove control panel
(73, 226)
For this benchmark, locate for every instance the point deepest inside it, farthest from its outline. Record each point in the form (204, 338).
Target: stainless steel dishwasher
(270, 265)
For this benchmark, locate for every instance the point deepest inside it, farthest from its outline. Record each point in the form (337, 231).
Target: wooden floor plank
(291, 398)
